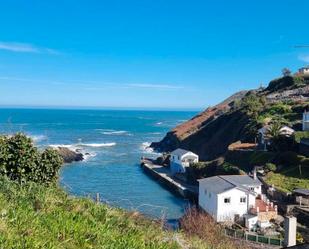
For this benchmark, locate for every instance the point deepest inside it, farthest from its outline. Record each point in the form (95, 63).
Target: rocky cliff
(211, 132)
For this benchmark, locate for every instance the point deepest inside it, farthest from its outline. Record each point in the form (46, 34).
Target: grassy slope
(38, 217)
(289, 179)
(33, 216)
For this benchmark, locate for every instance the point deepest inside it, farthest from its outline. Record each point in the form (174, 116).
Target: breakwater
(162, 175)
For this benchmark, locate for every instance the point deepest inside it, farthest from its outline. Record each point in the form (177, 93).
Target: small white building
(236, 197)
(263, 134)
(304, 71)
(180, 159)
(306, 121)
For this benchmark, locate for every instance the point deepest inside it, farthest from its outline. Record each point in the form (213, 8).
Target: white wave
(155, 133)
(145, 147)
(73, 147)
(88, 155)
(97, 145)
(38, 138)
(114, 132)
(159, 123)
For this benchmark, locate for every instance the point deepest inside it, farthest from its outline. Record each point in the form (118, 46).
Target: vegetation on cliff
(237, 120)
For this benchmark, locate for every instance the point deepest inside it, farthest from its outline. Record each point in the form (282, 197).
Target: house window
(252, 188)
(242, 199)
(227, 200)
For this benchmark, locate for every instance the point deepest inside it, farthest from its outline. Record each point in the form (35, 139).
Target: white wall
(179, 163)
(189, 157)
(227, 211)
(208, 201)
(306, 121)
(304, 71)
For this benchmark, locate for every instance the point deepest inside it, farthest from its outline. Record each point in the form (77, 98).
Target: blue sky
(159, 53)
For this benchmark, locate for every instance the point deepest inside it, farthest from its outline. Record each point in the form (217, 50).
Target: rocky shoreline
(70, 155)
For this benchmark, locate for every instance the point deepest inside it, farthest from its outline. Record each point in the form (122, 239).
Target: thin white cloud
(25, 48)
(155, 86)
(304, 58)
(96, 85)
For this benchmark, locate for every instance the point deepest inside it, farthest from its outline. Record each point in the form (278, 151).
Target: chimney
(290, 225)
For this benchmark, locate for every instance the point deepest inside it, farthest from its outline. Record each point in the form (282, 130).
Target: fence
(239, 234)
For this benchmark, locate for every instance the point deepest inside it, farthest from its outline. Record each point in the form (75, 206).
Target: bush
(198, 223)
(270, 167)
(280, 83)
(252, 104)
(262, 157)
(289, 158)
(228, 169)
(20, 160)
(298, 135)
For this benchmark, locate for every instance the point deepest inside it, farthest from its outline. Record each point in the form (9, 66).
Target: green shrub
(279, 108)
(261, 157)
(252, 104)
(299, 81)
(298, 135)
(280, 83)
(270, 167)
(228, 169)
(20, 160)
(289, 158)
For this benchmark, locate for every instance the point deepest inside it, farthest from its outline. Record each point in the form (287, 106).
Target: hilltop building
(304, 71)
(181, 159)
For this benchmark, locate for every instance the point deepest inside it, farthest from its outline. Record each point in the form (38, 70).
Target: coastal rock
(209, 133)
(70, 156)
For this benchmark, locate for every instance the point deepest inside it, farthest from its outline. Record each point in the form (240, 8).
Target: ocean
(114, 140)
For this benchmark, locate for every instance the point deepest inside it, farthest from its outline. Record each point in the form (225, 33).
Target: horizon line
(124, 108)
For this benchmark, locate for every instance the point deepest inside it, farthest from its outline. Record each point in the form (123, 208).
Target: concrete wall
(177, 168)
(208, 201)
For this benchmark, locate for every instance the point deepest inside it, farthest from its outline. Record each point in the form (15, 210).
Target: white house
(306, 121)
(180, 159)
(236, 197)
(304, 71)
(262, 134)
(227, 198)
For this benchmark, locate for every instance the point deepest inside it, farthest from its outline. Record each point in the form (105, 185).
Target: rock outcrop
(209, 133)
(69, 156)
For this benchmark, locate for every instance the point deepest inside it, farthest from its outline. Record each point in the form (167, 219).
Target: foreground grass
(289, 180)
(33, 216)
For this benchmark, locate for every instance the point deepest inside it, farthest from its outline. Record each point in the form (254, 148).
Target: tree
(253, 104)
(273, 131)
(286, 72)
(20, 160)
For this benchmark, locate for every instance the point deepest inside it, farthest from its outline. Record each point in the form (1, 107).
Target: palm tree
(274, 134)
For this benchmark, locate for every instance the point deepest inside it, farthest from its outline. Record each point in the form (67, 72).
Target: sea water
(114, 141)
